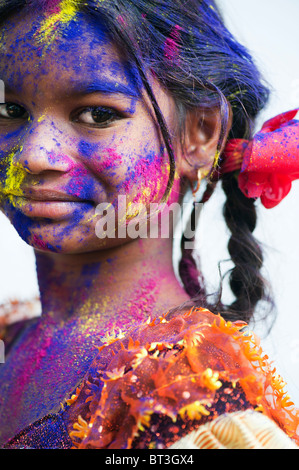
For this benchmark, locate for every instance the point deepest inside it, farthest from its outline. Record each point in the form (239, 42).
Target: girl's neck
(117, 287)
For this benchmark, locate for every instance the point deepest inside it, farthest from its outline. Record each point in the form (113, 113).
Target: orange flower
(111, 338)
(144, 420)
(210, 379)
(81, 429)
(193, 411)
(115, 374)
(139, 356)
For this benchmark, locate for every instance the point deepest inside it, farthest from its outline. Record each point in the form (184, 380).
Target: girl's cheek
(98, 172)
(12, 176)
(79, 184)
(101, 158)
(141, 173)
(146, 179)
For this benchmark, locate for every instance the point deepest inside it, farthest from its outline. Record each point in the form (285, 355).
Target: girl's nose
(41, 151)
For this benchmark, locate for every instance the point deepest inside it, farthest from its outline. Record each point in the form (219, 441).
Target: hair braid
(245, 280)
(191, 277)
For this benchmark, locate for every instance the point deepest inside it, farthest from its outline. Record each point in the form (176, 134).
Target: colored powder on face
(132, 107)
(38, 243)
(87, 149)
(91, 269)
(114, 159)
(69, 23)
(71, 31)
(146, 171)
(41, 118)
(11, 135)
(108, 160)
(80, 184)
(63, 14)
(22, 224)
(133, 78)
(13, 179)
(54, 159)
(76, 218)
(52, 5)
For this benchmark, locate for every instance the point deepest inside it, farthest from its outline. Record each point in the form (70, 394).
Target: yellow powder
(68, 10)
(15, 175)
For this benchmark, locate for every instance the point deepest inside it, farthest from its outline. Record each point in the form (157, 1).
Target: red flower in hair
(272, 162)
(269, 162)
(270, 188)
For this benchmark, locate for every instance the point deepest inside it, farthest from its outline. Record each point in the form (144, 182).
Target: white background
(269, 29)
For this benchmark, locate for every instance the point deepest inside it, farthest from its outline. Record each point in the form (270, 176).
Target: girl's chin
(77, 243)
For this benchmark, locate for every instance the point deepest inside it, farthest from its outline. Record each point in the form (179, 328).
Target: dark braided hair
(187, 47)
(246, 282)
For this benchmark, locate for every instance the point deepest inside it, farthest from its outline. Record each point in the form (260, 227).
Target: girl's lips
(36, 193)
(51, 209)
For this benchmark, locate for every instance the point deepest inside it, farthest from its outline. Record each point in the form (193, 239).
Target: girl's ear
(202, 134)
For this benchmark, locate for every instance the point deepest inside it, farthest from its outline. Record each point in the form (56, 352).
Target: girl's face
(75, 132)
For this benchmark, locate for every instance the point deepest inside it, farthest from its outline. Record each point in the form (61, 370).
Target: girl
(113, 110)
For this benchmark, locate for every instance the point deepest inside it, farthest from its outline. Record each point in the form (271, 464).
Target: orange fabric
(170, 375)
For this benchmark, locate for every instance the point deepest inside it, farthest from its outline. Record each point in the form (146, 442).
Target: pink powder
(171, 47)
(113, 160)
(39, 243)
(121, 20)
(38, 352)
(53, 6)
(147, 172)
(143, 300)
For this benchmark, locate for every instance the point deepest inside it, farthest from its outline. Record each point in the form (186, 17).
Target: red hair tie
(268, 163)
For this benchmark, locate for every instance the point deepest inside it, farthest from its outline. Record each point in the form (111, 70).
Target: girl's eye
(12, 111)
(97, 116)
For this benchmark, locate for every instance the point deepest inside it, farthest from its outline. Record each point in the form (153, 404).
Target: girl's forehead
(37, 45)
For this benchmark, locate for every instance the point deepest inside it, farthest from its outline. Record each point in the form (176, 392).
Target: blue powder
(81, 187)
(22, 224)
(86, 149)
(90, 271)
(12, 134)
(133, 77)
(74, 30)
(77, 216)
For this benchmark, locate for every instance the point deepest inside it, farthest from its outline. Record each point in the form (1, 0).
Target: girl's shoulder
(168, 376)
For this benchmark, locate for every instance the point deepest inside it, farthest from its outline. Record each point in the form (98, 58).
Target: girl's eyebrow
(106, 87)
(96, 86)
